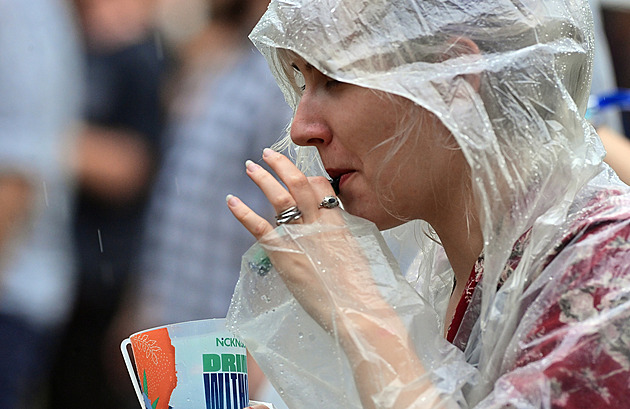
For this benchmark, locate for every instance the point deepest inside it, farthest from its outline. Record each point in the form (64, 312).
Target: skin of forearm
(368, 329)
(381, 354)
(15, 204)
(113, 165)
(617, 152)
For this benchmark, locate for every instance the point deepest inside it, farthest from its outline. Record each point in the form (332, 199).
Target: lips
(338, 178)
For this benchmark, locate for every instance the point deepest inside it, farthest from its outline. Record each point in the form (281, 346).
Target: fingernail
(267, 152)
(231, 200)
(251, 166)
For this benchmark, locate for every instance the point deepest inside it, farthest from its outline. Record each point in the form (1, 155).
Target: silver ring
(288, 215)
(329, 202)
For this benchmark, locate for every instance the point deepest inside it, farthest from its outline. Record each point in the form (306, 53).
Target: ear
(460, 46)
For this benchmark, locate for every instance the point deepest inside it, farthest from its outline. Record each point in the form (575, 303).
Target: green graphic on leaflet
(146, 388)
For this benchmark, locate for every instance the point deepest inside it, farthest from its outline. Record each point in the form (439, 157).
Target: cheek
(401, 183)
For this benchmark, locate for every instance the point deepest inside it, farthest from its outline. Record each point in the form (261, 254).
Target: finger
(298, 184)
(258, 226)
(322, 188)
(277, 194)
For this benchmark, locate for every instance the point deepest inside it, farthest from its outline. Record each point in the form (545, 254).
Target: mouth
(337, 177)
(335, 184)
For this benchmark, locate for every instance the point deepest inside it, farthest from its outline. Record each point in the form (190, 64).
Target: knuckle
(297, 181)
(265, 177)
(319, 181)
(285, 203)
(259, 229)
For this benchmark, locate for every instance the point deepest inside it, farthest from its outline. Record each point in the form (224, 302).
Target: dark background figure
(118, 152)
(224, 107)
(40, 87)
(616, 23)
(606, 70)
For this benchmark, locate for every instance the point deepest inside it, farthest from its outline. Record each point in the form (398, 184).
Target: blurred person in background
(118, 151)
(608, 122)
(224, 107)
(40, 81)
(180, 20)
(617, 151)
(616, 19)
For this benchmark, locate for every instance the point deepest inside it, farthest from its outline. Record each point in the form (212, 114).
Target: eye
(299, 78)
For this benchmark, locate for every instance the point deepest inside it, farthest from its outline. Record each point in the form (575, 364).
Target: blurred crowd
(123, 125)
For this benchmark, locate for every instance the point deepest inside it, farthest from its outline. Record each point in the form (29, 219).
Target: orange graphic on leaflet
(155, 356)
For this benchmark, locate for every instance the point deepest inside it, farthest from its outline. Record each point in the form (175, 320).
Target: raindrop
(45, 193)
(100, 239)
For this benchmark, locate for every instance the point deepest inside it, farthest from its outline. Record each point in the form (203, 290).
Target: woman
(459, 127)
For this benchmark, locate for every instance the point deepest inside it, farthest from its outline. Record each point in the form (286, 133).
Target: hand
(324, 266)
(321, 264)
(304, 192)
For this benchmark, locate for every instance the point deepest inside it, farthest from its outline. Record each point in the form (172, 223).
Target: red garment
(586, 369)
(464, 301)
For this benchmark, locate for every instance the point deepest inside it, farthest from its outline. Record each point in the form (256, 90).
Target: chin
(376, 214)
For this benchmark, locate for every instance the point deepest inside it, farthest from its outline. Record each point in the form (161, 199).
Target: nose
(309, 127)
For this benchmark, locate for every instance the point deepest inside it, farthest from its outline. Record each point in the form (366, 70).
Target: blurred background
(123, 125)
(616, 18)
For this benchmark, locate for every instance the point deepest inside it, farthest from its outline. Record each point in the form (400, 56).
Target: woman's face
(353, 129)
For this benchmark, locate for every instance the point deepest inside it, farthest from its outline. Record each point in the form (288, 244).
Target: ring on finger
(329, 202)
(288, 215)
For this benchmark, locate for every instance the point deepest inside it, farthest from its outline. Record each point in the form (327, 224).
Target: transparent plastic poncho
(536, 167)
